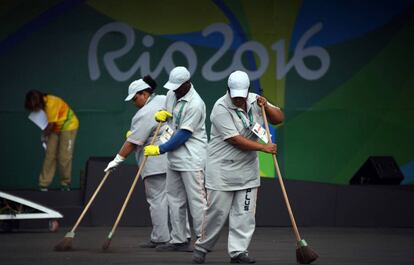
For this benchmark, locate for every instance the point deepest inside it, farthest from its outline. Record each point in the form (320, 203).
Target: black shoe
(65, 188)
(151, 244)
(199, 256)
(242, 258)
(182, 247)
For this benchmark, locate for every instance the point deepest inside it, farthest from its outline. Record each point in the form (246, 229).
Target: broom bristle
(106, 244)
(65, 244)
(304, 253)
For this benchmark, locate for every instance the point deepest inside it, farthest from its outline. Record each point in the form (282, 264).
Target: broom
(66, 243)
(304, 253)
(107, 242)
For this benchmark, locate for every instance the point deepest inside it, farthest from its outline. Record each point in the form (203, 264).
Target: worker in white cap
(186, 153)
(143, 125)
(232, 170)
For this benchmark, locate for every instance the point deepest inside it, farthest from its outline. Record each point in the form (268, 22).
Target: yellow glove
(151, 150)
(128, 134)
(162, 115)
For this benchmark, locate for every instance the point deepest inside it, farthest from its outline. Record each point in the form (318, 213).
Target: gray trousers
(155, 191)
(240, 207)
(185, 187)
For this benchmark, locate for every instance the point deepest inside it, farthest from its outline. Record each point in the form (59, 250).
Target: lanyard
(178, 116)
(243, 118)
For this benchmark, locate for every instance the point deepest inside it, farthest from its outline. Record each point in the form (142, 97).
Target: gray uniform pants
(157, 199)
(240, 207)
(183, 187)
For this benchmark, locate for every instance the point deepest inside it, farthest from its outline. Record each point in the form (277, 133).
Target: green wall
(341, 74)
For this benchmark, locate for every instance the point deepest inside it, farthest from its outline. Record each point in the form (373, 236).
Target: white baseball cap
(178, 76)
(238, 84)
(135, 87)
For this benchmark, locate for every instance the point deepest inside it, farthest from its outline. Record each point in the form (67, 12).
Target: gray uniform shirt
(189, 113)
(229, 168)
(143, 127)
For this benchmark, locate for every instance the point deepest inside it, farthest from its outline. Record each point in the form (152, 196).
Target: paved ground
(339, 246)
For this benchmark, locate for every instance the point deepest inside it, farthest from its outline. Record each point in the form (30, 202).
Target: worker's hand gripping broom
(107, 242)
(304, 253)
(66, 243)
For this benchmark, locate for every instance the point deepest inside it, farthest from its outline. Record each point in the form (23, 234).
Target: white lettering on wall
(300, 53)
(166, 63)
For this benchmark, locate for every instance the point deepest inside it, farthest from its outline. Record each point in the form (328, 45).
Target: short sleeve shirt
(229, 168)
(143, 128)
(189, 113)
(59, 112)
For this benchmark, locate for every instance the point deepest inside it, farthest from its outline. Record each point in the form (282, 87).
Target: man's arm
(125, 150)
(179, 138)
(245, 144)
(274, 114)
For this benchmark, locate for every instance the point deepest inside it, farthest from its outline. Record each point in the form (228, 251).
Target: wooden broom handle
(90, 201)
(131, 190)
(282, 185)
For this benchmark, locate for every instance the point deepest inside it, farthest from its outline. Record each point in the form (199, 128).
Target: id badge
(260, 132)
(166, 135)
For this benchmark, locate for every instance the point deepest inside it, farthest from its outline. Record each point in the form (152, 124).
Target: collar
(228, 102)
(151, 97)
(187, 97)
(249, 101)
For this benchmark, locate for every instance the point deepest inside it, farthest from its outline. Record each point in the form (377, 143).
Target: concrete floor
(339, 246)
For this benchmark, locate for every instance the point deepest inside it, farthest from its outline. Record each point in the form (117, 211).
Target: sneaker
(199, 256)
(242, 258)
(181, 247)
(151, 244)
(43, 189)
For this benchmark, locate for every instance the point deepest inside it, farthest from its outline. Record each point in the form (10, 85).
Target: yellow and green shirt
(59, 112)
